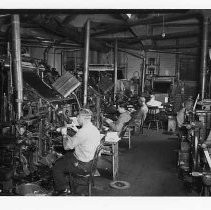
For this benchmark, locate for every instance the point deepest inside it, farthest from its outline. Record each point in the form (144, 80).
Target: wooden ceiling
(141, 30)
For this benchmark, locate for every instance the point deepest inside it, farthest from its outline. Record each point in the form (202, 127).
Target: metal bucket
(30, 189)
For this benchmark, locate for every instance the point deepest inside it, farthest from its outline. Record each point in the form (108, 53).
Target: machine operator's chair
(153, 118)
(126, 133)
(86, 179)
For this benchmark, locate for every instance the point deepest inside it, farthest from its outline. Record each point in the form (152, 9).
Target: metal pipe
(42, 78)
(45, 45)
(204, 55)
(79, 105)
(115, 68)
(45, 53)
(86, 61)
(16, 61)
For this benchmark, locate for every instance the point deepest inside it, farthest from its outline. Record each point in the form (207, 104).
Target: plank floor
(150, 167)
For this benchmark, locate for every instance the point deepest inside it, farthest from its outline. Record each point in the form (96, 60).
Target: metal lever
(196, 174)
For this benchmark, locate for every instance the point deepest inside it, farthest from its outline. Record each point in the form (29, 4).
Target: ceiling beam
(105, 25)
(70, 33)
(133, 40)
(167, 18)
(154, 20)
(175, 25)
(112, 30)
(125, 18)
(176, 35)
(174, 52)
(128, 46)
(165, 47)
(29, 25)
(68, 19)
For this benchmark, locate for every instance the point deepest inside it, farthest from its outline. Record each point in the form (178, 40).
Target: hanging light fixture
(163, 30)
(129, 15)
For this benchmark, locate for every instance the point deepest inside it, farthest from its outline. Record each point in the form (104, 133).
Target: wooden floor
(150, 167)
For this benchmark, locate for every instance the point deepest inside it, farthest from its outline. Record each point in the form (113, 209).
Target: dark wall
(189, 68)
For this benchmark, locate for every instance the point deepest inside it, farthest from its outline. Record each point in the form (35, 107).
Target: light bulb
(163, 34)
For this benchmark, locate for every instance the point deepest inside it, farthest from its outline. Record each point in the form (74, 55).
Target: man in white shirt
(85, 142)
(153, 102)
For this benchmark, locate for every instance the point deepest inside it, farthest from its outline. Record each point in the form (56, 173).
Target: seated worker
(181, 115)
(141, 113)
(154, 103)
(183, 112)
(123, 118)
(84, 143)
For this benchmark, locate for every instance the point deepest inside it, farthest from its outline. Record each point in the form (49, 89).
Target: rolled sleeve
(116, 126)
(72, 142)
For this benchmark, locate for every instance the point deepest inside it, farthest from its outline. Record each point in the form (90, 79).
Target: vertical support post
(1, 94)
(209, 91)
(98, 111)
(204, 55)
(54, 57)
(86, 61)
(143, 74)
(62, 61)
(115, 68)
(16, 62)
(10, 85)
(177, 73)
